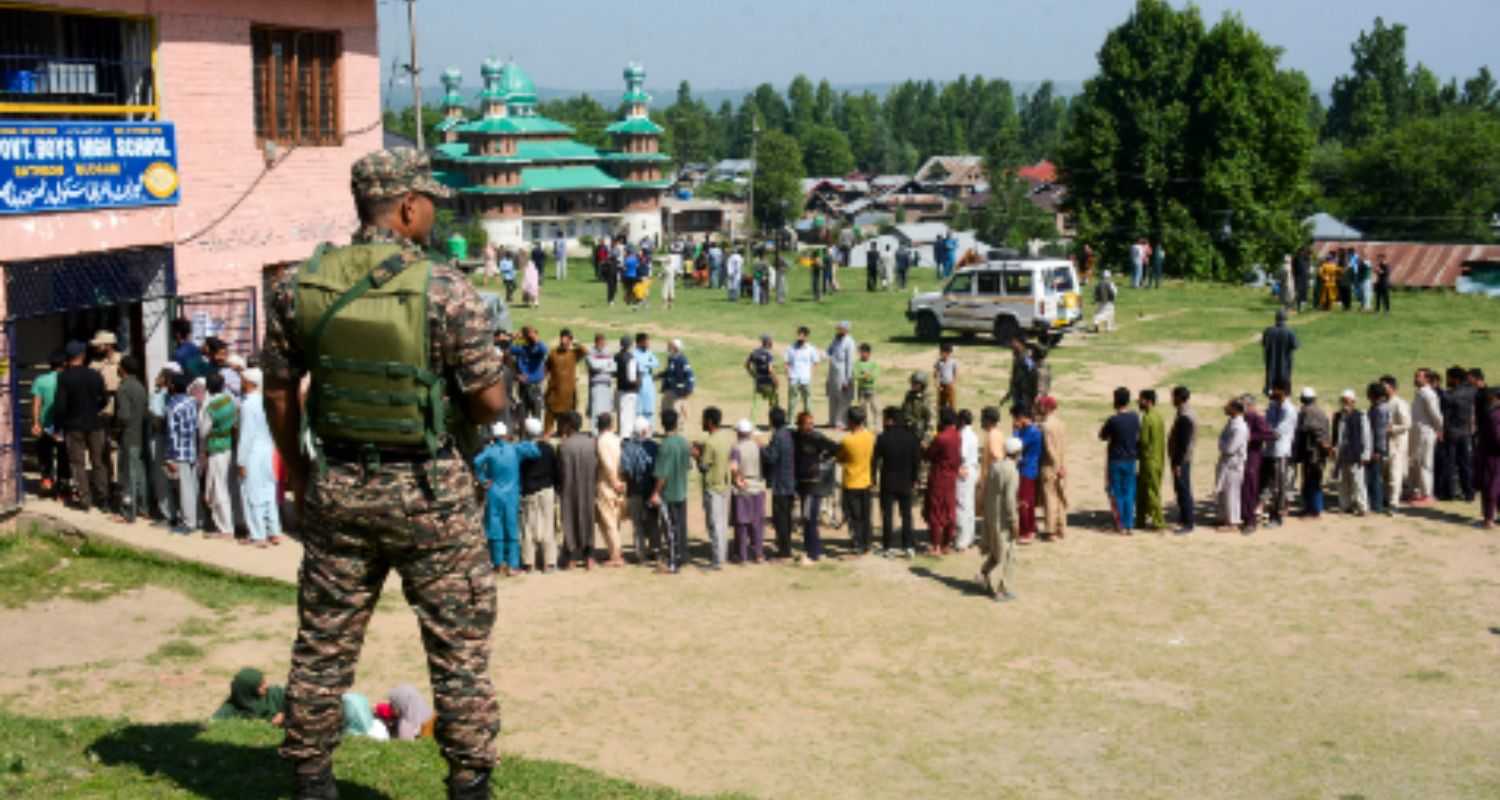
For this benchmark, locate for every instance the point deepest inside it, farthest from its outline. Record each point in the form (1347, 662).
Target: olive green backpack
(362, 316)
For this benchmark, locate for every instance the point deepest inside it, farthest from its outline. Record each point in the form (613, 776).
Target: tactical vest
(362, 318)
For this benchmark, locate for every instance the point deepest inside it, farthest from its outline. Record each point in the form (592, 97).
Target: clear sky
(732, 44)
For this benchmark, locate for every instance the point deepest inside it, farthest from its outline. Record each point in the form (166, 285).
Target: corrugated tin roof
(1420, 264)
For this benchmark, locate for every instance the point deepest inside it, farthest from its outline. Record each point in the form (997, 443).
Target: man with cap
(1354, 446)
(1104, 302)
(914, 407)
(840, 375)
(1310, 449)
(104, 358)
(1277, 344)
(539, 482)
(498, 470)
(254, 458)
(749, 496)
(370, 509)
(638, 469)
(78, 411)
(1001, 523)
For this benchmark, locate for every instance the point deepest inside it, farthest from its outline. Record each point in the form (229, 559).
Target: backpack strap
(380, 275)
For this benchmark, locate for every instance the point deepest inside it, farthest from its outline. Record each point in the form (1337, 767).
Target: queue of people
(193, 453)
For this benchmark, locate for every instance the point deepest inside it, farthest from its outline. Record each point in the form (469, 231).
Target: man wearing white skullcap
(498, 468)
(638, 468)
(1001, 523)
(748, 491)
(1354, 450)
(1104, 302)
(254, 457)
(539, 478)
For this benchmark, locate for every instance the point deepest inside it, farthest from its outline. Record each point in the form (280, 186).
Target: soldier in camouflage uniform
(915, 409)
(367, 510)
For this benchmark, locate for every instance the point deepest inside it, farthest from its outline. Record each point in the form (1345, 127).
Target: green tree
(690, 127)
(825, 151)
(1193, 138)
(1010, 218)
(1377, 94)
(1042, 120)
(778, 179)
(1434, 178)
(801, 98)
(586, 116)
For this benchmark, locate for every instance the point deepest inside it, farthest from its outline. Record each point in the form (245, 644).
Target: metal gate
(229, 315)
(10, 408)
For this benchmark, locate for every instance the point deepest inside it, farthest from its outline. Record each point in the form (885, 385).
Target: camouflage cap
(394, 172)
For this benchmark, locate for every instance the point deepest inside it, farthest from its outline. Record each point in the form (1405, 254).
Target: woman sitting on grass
(407, 715)
(251, 696)
(359, 718)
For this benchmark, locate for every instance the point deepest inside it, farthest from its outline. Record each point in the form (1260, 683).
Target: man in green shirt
(48, 445)
(866, 372)
(713, 461)
(673, 459)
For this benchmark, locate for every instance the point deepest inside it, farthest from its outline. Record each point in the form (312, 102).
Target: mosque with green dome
(525, 178)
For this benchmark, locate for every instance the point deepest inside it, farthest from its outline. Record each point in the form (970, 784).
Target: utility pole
(754, 134)
(415, 71)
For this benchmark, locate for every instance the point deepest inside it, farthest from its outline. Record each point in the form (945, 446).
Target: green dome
(490, 70)
(515, 86)
(635, 72)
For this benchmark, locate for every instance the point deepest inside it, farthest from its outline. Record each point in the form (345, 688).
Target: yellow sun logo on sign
(160, 180)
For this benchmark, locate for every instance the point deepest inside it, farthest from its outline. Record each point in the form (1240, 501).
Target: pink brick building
(271, 101)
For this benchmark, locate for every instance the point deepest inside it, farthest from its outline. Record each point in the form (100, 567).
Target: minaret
(638, 158)
(453, 104)
(492, 99)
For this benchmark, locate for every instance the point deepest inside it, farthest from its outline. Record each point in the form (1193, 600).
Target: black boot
(316, 786)
(475, 788)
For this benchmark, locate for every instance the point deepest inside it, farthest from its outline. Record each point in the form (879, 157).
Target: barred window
(296, 86)
(75, 66)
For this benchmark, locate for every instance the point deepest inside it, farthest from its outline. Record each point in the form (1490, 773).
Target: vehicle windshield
(959, 284)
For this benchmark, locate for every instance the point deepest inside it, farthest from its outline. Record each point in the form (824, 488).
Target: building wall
(207, 86)
(204, 78)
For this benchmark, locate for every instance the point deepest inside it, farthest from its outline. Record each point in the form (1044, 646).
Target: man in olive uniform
(386, 488)
(915, 410)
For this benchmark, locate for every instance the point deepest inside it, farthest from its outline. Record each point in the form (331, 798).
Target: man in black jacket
(78, 412)
(898, 455)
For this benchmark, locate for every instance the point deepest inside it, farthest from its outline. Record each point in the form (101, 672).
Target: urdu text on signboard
(72, 166)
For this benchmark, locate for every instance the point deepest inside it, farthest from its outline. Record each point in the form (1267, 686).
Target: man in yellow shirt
(854, 456)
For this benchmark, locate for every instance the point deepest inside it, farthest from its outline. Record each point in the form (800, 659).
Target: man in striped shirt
(182, 454)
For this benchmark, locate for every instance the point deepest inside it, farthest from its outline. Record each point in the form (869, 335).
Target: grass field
(1347, 658)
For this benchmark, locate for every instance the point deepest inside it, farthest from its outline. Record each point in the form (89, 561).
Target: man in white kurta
(1230, 472)
(255, 458)
(1426, 429)
(1399, 442)
(968, 479)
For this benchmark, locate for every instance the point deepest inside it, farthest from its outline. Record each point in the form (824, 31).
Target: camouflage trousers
(360, 524)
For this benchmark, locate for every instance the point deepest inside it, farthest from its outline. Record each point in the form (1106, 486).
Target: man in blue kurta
(646, 365)
(498, 468)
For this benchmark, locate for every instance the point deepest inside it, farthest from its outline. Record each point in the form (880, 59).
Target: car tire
(1007, 330)
(928, 328)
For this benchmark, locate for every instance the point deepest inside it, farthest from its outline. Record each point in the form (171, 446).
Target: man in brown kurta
(562, 378)
(578, 465)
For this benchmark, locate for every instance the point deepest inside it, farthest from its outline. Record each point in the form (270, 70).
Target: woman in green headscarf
(252, 697)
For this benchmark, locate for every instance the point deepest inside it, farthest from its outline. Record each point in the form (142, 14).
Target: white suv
(1010, 299)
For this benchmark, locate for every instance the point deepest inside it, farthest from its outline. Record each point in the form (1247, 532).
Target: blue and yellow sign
(69, 166)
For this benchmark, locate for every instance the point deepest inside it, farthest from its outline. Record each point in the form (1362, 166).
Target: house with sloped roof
(526, 179)
(953, 176)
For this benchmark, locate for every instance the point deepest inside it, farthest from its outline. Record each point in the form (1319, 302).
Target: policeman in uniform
(398, 347)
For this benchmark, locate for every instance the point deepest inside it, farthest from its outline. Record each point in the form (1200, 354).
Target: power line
(254, 184)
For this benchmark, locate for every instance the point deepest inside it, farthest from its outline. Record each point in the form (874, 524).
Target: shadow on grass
(212, 769)
(960, 585)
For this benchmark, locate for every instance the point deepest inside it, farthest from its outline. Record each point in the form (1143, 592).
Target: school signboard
(72, 166)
